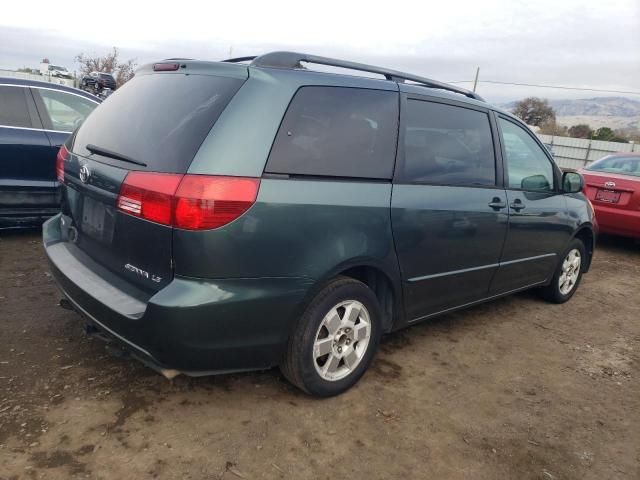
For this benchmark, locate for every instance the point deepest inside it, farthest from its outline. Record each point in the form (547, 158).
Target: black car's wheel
(567, 275)
(335, 340)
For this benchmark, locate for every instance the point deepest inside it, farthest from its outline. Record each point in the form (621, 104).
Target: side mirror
(572, 182)
(535, 183)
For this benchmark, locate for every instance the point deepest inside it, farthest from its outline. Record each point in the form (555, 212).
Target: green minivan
(237, 215)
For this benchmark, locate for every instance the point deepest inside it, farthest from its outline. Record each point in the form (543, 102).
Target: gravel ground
(515, 389)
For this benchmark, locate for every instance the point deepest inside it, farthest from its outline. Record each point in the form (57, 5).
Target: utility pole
(475, 81)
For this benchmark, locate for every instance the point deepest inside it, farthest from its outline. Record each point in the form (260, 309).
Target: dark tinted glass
(339, 132)
(447, 145)
(158, 119)
(13, 107)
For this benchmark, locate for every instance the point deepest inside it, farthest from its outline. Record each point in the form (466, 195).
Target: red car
(613, 186)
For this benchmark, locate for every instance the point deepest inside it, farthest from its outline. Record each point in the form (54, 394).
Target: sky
(578, 43)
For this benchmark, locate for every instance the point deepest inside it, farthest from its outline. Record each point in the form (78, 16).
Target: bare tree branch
(108, 63)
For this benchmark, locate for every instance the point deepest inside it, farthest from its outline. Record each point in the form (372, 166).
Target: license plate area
(607, 196)
(94, 219)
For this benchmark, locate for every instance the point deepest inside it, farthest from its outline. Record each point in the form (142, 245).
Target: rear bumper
(194, 326)
(618, 221)
(25, 205)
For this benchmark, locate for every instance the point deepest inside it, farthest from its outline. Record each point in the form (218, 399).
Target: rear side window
(447, 145)
(13, 107)
(66, 111)
(338, 132)
(158, 119)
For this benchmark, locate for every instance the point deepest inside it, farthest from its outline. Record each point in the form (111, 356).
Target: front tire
(567, 275)
(335, 340)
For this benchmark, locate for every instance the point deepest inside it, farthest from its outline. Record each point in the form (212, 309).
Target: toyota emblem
(610, 184)
(85, 174)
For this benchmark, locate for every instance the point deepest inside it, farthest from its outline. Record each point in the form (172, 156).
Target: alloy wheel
(341, 340)
(570, 271)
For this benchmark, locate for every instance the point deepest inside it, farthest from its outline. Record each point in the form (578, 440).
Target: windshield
(54, 67)
(105, 75)
(619, 165)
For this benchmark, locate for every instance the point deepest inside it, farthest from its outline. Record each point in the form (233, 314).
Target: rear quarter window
(337, 132)
(13, 107)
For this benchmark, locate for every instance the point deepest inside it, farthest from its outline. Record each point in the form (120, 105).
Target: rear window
(338, 132)
(105, 76)
(158, 119)
(619, 165)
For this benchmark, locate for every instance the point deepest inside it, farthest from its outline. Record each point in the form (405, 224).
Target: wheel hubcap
(570, 271)
(341, 340)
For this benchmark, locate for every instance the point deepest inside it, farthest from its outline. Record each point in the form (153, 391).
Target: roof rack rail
(239, 59)
(293, 59)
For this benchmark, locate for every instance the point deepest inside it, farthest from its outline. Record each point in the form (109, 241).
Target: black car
(97, 81)
(218, 216)
(35, 120)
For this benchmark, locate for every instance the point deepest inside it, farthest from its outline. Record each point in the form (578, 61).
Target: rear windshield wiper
(111, 154)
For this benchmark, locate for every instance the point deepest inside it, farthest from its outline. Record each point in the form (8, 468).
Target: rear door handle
(497, 203)
(517, 205)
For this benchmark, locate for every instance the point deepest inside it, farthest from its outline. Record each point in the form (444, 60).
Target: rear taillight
(190, 202)
(204, 202)
(63, 153)
(149, 195)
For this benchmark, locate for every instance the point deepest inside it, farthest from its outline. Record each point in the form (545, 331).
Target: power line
(561, 87)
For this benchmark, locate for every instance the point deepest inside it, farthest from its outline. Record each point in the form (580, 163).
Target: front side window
(66, 111)
(338, 132)
(13, 107)
(447, 145)
(527, 165)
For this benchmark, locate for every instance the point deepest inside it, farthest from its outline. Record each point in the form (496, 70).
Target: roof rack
(293, 59)
(239, 59)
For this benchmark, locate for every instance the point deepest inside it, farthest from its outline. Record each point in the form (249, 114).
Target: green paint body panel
(241, 139)
(228, 298)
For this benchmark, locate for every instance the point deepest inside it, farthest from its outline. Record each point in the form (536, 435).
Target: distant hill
(603, 106)
(614, 112)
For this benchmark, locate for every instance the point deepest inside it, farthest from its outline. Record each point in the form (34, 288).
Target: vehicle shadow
(18, 232)
(618, 244)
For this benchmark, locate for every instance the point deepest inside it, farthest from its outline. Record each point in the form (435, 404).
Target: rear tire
(335, 340)
(568, 274)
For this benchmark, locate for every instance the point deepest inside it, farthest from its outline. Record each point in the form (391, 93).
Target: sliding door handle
(497, 204)
(517, 205)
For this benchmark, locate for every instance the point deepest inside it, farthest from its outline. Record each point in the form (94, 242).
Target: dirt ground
(515, 389)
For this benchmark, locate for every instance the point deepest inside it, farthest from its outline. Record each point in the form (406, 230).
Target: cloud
(542, 42)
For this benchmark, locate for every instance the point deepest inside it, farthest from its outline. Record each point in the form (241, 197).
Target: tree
(608, 135)
(581, 130)
(629, 134)
(534, 111)
(550, 127)
(108, 64)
